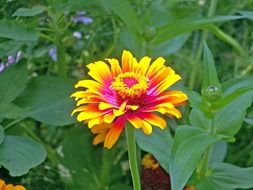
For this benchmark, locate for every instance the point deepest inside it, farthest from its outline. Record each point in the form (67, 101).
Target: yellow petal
(81, 108)
(115, 67)
(121, 110)
(99, 139)
(104, 106)
(155, 120)
(88, 115)
(170, 80)
(127, 61)
(156, 66)
(114, 133)
(144, 65)
(90, 84)
(168, 105)
(77, 95)
(136, 121)
(133, 107)
(147, 128)
(174, 112)
(109, 117)
(99, 71)
(95, 121)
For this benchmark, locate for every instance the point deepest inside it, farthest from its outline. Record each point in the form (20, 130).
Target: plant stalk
(192, 79)
(132, 155)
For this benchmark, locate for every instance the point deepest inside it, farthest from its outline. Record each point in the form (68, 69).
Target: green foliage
(34, 92)
(227, 177)
(1, 134)
(158, 143)
(92, 168)
(15, 79)
(46, 99)
(20, 154)
(14, 30)
(188, 146)
(36, 10)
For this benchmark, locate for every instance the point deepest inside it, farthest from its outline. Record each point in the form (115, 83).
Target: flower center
(130, 85)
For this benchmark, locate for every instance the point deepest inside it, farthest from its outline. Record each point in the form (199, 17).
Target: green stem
(211, 11)
(12, 124)
(203, 166)
(61, 59)
(132, 155)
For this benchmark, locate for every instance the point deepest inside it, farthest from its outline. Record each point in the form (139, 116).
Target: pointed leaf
(187, 148)
(210, 73)
(227, 177)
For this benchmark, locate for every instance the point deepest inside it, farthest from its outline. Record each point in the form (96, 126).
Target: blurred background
(46, 45)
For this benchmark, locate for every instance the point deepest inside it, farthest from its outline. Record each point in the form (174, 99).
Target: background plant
(195, 37)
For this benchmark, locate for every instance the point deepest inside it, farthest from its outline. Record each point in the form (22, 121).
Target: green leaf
(210, 73)
(124, 10)
(237, 83)
(10, 111)
(13, 82)
(16, 31)
(219, 151)
(158, 143)
(170, 46)
(1, 134)
(47, 100)
(198, 119)
(9, 47)
(26, 12)
(247, 14)
(20, 154)
(229, 120)
(130, 41)
(226, 177)
(229, 98)
(188, 146)
(178, 27)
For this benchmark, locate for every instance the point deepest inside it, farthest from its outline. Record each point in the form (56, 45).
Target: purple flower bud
(2, 67)
(53, 53)
(80, 17)
(11, 59)
(77, 35)
(83, 19)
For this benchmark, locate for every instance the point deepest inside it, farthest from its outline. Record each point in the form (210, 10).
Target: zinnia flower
(134, 93)
(3, 186)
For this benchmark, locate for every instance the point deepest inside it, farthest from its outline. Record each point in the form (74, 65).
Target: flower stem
(132, 155)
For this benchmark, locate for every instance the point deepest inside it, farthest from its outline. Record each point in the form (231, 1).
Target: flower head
(3, 186)
(134, 92)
